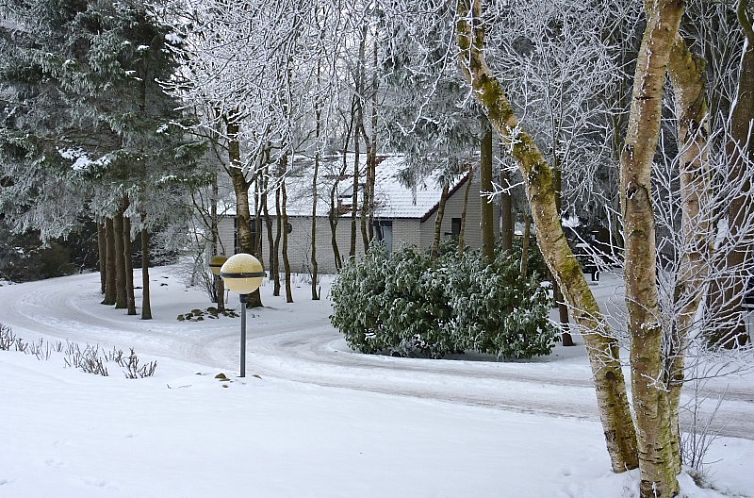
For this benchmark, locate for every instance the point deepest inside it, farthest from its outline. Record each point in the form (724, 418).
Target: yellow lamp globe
(216, 263)
(242, 273)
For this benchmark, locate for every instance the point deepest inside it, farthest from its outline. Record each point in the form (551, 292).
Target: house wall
(454, 209)
(299, 242)
(405, 232)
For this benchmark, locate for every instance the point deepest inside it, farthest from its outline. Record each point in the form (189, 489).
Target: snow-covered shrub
(90, 359)
(494, 310)
(416, 307)
(407, 305)
(7, 338)
(391, 305)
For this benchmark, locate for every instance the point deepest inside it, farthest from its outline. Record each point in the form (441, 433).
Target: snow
(173, 38)
(81, 160)
(571, 222)
(321, 421)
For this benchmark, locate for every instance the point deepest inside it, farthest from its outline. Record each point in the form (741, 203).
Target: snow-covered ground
(318, 421)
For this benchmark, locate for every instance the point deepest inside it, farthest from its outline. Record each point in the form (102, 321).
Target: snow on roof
(393, 198)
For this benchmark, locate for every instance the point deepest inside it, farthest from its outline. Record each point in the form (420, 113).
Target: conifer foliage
(87, 132)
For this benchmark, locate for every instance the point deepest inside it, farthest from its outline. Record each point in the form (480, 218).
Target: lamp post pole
(242, 273)
(244, 299)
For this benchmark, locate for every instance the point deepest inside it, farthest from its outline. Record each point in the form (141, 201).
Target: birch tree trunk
(651, 401)
(602, 348)
(687, 75)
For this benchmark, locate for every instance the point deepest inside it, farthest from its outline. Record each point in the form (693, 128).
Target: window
(455, 227)
(383, 232)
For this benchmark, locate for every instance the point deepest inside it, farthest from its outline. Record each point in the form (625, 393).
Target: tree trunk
(246, 239)
(727, 295)
(524, 268)
(372, 158)
(217, 248)
(462, 232)
(651, 401)
(602, 348)
(438, 219)
(286, 262)
(102, 253)
(129, 264)
(278, 236)
(146, 303)
(332, 217)
(355, 194)
(315, 191)
(506, 212)
(360, 91)
(485, 170)
(270, 237)
(110, 292)
(121, 294)
(557, 292)
(315, 267)
(687, 75)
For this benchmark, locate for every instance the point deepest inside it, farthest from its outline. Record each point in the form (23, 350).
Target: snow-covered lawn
(319, 421)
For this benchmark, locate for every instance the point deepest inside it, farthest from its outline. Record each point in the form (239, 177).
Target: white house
(402, 216)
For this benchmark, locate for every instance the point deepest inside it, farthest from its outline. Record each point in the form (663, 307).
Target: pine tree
(87, 126)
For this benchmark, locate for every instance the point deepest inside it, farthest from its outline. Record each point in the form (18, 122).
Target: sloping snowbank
(402, 428)
(184, 433)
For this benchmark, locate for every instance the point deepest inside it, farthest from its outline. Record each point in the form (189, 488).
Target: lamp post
(243, 274)
(215, 264)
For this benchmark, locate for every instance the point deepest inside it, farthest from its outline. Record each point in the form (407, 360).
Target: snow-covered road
(296, 342)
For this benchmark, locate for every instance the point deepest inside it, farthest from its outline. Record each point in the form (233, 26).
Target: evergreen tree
(87, 130)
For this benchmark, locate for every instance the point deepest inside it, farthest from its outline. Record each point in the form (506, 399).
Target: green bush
(407, 305)
(391, 305)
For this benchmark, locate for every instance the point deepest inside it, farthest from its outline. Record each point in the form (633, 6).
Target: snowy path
(296, 342)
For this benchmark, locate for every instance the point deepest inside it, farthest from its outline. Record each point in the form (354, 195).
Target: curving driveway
(295, 342)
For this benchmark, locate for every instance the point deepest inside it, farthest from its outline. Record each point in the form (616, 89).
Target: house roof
(393, 198)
